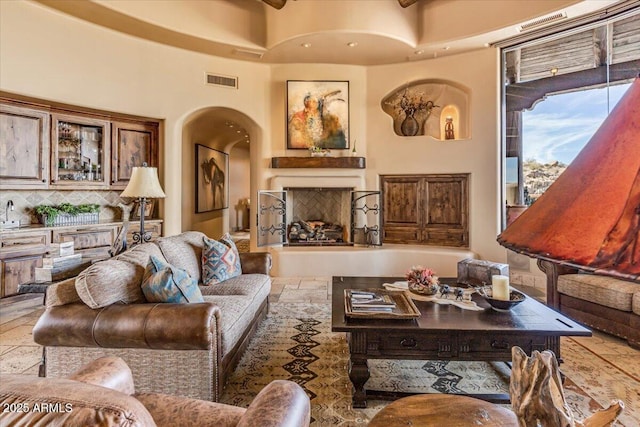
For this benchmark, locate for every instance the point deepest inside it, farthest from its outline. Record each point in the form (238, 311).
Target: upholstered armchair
(102, 394)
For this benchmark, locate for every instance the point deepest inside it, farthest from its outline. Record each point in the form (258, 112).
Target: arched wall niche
(430, 102)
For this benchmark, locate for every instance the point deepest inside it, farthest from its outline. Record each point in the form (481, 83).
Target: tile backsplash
(25, 200)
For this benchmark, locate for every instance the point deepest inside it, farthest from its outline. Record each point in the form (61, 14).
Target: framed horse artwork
(211, 179)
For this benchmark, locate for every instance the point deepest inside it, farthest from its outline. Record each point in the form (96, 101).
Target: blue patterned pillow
(220, 260)
(165, 283)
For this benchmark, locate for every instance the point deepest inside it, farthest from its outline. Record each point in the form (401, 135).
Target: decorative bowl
(422, 289)
(515, 298)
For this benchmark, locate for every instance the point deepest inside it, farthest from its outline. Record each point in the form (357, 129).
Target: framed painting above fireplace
(317, 114)
(212, 190)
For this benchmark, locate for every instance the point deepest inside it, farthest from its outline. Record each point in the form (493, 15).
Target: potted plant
(67, 214)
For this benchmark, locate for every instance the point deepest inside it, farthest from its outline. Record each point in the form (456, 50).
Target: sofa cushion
(117, 279)
(184, 251)
(220, 260)
(236, 315)
(249, 285)
(635, 302)
(603, 290)
(165, 283)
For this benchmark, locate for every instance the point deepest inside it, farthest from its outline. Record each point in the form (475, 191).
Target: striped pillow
(220, 260)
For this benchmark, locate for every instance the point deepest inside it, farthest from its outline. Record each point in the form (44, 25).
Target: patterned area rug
(295, 342)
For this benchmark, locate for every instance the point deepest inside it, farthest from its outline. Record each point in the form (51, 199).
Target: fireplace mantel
(318, 162)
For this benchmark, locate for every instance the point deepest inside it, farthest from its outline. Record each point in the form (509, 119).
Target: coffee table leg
(359, 374)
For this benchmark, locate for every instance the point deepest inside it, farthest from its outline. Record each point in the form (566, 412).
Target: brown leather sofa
(102, 394)
(179, 349)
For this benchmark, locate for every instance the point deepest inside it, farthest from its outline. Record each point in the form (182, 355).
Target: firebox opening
(319, 216)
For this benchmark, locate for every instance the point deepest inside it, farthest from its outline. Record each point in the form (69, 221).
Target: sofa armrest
(169, 411)
(280, 404)
(65, 402)
(110, 372)
(552, 270)
(150, 326)
(255, 262)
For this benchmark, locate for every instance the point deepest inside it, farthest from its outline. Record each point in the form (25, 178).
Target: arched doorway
(225, 131)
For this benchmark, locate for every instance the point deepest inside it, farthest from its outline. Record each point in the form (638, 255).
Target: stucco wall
(46, 54)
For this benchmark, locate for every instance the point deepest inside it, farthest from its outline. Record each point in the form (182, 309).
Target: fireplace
(318, 216)
(324, 209)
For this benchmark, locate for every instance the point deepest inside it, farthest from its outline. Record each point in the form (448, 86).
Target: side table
(438, 410)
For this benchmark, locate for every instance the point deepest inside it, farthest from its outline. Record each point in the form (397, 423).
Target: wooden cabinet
(426, 209)
(92, 242)
(24, 148)
(153, 227)
(20, 254)
(132, 145)
(80, 152)
(47, 146)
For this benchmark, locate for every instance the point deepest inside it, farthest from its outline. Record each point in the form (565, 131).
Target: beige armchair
(102, 394)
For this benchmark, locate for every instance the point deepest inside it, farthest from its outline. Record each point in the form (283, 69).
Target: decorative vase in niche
(409, 126)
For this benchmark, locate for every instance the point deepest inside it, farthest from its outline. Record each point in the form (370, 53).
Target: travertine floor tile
(20, 335)
(313, 284)
(6, 348)
(285, 280)
(20, 359)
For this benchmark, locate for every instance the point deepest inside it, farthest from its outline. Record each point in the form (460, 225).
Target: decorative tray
(404, 307)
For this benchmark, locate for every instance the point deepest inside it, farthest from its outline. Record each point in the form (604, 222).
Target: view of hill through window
(557, 129)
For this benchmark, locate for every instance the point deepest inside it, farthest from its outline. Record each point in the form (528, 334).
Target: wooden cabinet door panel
(132, 145)
(402, 234)
(429, 209)
(402, 201)
(24, 148)
(78, 143)
(153, 227)
(16, 271)
(90, 242)
(445, 202)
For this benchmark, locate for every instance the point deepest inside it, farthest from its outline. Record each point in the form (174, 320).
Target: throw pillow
(220, 260)
(165, 283)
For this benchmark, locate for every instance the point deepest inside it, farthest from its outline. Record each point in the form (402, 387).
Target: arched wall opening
(223, 132)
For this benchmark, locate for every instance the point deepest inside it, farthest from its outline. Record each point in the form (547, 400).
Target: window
(558, 90)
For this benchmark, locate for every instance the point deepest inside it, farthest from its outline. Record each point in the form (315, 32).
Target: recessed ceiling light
(446, 48)
(419, 52)
(306, 45)
(352, 44)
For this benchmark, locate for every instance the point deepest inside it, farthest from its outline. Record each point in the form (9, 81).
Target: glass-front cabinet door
(80, 152)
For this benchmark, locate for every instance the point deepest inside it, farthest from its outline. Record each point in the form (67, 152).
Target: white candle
(500, 287)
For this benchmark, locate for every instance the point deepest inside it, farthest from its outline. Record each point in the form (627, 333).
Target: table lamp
(143, 185)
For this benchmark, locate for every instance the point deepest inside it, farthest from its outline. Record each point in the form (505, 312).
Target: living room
(107, 58)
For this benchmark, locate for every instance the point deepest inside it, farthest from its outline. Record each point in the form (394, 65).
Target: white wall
(389, 153)
(48, 55)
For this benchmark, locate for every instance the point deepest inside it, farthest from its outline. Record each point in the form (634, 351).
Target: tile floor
(20, 355)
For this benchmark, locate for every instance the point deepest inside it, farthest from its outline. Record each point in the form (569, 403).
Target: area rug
(295, 342)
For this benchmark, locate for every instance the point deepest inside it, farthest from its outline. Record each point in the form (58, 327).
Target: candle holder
(515, 298)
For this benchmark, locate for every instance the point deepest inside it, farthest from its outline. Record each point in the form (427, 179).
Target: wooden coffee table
(444, 332)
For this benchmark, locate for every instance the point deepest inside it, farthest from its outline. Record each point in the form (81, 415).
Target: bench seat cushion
(635, 303)
(603, 290)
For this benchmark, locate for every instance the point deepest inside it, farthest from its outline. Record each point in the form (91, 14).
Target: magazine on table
(371, 301)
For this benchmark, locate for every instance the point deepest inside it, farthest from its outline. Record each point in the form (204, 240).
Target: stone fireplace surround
(385, 260)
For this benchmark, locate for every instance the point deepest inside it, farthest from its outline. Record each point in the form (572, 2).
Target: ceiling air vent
(542, 21)
(219, 80)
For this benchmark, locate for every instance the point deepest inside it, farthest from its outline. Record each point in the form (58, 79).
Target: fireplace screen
(318, 217)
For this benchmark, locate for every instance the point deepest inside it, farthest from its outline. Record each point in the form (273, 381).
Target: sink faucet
(9, 207)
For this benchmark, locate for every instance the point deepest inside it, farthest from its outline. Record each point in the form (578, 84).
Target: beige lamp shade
(144, 183)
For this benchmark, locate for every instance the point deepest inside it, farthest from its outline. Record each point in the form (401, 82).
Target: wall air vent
(248, 54)
(219, 80)
(542, 21)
